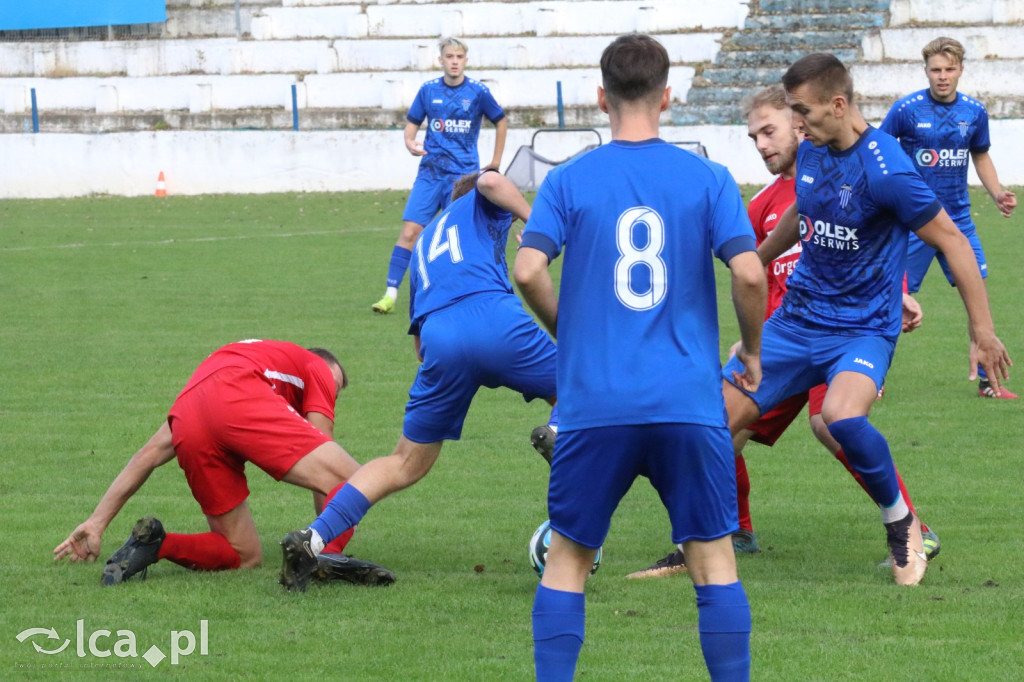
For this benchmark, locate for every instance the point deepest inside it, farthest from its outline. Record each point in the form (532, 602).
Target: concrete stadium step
(811, 41)
(757, 58)
(705, 114)
(823, 5)
(806, 21)
(748, 75)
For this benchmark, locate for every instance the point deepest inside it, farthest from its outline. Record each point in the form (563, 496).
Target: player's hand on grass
(1006, 202)
(912, 313)
(989, 352)
(82, 545)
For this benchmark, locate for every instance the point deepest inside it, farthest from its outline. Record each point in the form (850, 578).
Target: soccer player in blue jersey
(470, 330)
(453, 107)
(857, 198)
(940, 129)
(640, 222)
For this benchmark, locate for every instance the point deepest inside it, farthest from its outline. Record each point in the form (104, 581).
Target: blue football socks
(400, 258)
(723, 617)
(557, 633)
(868, 453)
(345, 510)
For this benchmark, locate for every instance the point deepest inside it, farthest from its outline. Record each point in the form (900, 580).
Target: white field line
(196, 240)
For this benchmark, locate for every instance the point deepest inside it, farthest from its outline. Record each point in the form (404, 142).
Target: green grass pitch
(109, 303)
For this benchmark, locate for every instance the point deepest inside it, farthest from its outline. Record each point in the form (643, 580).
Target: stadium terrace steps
(981, 43)
(564, 17)
(354, 64)
(775, 34)
(953, 12)
(823, 6)
(228, 56)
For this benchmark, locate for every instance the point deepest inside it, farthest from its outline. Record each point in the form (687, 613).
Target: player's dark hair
(331, 360)
(824, 73)
(464, 184)
(633, 67)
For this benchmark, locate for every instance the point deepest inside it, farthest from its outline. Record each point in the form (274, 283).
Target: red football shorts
(774, 423)
(230, 418)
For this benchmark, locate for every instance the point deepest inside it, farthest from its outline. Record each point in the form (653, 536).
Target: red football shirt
(764, 211)
(297, 375)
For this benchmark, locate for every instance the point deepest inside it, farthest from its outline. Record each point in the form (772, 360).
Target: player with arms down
(939, 128)
(453, 107)
(638, 367)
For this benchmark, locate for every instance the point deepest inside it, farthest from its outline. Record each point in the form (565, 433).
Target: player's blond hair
(773, 96)
(452, 41)
(947, 47)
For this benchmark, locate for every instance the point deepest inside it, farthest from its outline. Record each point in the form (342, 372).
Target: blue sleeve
(545, 231)
(490, 107)
(418, 110)
(905, 193)
(729, 220)
(535, 240)
(980, 141)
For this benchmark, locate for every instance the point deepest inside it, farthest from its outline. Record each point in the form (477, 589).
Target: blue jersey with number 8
(637, 317)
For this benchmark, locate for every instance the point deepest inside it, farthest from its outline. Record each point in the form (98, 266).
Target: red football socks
(200, 552)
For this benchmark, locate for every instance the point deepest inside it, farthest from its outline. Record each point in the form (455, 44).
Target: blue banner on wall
(19, 15)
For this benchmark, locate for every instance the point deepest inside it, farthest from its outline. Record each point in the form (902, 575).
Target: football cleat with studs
(906, 548)
(331, 567)
(137, 554)
(298, 560)
(985, 391)
(384, 306)
(674, 563)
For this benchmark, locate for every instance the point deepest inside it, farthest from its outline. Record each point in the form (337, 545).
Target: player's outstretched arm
(785, 234)
(534, 280)
(749, 298)
(84, 542)
(986, 348)
(1005, 200)
(501, 191)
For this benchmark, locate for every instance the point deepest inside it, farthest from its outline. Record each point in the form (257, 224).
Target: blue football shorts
(920, 255)
(429, 196)
(795, 359)
(691, 466)
(484, 340)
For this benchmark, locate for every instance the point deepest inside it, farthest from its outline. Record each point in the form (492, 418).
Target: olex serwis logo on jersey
(452, 126)
(943, 158)
(824, 234)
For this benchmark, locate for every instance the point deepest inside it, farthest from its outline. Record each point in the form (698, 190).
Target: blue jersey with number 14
(460, 253)
(637, 312)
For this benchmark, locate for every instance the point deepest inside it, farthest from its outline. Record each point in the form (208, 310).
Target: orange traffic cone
(161, 186)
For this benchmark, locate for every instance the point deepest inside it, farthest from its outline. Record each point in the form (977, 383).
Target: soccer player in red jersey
(270, 403)
(770, 127)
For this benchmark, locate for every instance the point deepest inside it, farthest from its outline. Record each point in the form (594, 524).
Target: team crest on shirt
(964, 127)
(465, 105)
(845, 193)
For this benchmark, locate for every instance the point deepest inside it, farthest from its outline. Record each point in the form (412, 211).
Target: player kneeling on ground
(266, 402)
